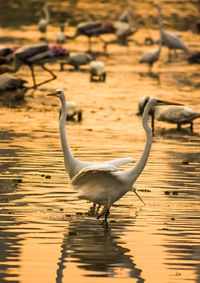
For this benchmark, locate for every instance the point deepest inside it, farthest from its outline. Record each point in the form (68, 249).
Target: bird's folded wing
(90, 170)
(120, 161)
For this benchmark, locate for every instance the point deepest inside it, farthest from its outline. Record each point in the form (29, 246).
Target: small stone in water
(48, 177)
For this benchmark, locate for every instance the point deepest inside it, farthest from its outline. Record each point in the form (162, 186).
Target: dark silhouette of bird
(179, 115)
(43, 23)
(36, 54)
(6, 54)
(93, 29)
(12, 89)
(171, 40)
(194, 58)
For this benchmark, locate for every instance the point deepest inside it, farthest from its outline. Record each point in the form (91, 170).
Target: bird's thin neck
(46, 13)
(160, 24)
(134, 172)
(69, 159)
(12, 68)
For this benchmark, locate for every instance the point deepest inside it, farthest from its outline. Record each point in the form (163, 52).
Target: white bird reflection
(97, 250)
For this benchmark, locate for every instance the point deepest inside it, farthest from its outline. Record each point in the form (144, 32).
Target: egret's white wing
(98, 184)
(83, 174)
(120, 161)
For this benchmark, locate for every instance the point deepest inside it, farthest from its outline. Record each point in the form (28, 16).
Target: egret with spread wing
(103, 183)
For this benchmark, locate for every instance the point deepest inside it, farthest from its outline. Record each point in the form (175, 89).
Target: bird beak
(166, 102)
(52, 93)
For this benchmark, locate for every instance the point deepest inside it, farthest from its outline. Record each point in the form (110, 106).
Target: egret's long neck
(69, 159)
(134, 172)
(46, 13)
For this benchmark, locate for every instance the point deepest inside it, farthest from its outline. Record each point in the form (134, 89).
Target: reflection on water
(97, 250)
(46, 229)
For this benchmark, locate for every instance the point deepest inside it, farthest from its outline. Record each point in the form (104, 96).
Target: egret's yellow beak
(171, 103)
(52, 93)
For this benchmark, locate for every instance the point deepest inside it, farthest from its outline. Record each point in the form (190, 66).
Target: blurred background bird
(60, 37)
(97, 71)
(76, 59)
(171, 40)
(12, 89)
(43, 22)
(36, 54)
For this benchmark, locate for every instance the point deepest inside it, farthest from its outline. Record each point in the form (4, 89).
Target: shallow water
(46, 233)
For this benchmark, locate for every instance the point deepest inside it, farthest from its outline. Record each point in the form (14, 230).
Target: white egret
(179, 115)
(103, 183)
(60, 37)
(43, 23)
(152, 56)
(170, 40)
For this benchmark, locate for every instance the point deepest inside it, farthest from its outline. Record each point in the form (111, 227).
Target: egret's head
(58, 93)
(157, 102)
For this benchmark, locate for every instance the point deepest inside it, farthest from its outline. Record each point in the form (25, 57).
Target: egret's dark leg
(104, 211)
(49, 71)
(106, 215)
(178, 126)
(191, 126)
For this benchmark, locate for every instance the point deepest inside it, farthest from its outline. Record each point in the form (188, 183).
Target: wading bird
(76, 59)
(93, 29)
(12, 89)
(60, 37)
(37, 54)
(152, 56)
(179, 115)
(103, 183)
(43, 23)
(6, 54)
(97, 71)
(170, 39)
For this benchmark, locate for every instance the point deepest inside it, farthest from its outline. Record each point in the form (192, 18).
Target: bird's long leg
(49, 71)
(106, 215)
(104, 211)
(191, 126)
(89, 44)
(33, 76)
(105, 44)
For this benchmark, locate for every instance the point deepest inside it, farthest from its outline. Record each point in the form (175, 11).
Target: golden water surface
(46, 234)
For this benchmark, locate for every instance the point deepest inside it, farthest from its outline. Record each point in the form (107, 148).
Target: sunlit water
(46, 234)
(49, 235)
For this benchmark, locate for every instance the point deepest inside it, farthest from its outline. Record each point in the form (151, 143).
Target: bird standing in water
(170, 39)
(36, 54)
(43, 23)
(103, 183)
(173, 114)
